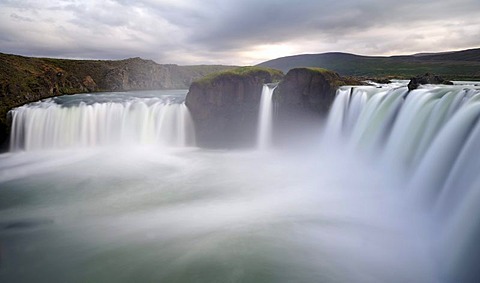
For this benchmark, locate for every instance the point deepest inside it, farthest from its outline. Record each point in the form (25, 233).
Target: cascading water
(430, 138)
(390, 195)
(265, 117)
(101, 120)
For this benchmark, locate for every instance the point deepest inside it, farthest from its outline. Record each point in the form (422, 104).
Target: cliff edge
(224, 106)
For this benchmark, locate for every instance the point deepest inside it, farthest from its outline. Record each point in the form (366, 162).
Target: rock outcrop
(426, 79)
(305, 96)
(224, 106)
(309, 90)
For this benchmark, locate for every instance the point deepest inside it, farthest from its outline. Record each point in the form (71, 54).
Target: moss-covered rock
(224, 105)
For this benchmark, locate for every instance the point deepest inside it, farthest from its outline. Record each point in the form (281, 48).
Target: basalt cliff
(224, 106)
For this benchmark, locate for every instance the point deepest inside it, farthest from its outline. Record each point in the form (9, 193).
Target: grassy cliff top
(333, 78)
(319, 70)
(272, 75)
(322, 71)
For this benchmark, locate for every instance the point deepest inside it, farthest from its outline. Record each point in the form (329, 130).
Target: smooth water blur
(428, 139)
(83, 120)
(388, 194)
(265, 117)
(191, 215)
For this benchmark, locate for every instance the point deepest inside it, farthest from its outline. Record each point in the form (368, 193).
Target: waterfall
(145, 121)
(391, 193)
(265, 117)
(430, 137)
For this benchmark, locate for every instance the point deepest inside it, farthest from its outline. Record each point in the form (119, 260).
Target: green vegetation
(333, 78)
(239, 73)
(319, 70)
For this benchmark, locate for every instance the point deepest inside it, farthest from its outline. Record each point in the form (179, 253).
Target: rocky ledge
(426, 79)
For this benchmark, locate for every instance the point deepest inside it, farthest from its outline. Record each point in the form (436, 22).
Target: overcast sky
(242, 32)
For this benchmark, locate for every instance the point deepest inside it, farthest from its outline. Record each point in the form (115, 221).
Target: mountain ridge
(463, 64)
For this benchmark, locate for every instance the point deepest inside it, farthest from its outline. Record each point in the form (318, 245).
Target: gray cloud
(20, 18)
(234, 32)
(276, 21)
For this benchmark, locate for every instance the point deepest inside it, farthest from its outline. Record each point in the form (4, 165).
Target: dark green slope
(452, 65)
(464, 55)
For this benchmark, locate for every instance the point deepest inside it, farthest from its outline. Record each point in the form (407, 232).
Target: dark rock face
(90, 84)
(308, 89)
(139, 74)
(426, 79)
(57, 82)
(225, 107)
(305, 96)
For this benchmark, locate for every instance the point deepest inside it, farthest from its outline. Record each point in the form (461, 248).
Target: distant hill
(462, 56)
(457, 65)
